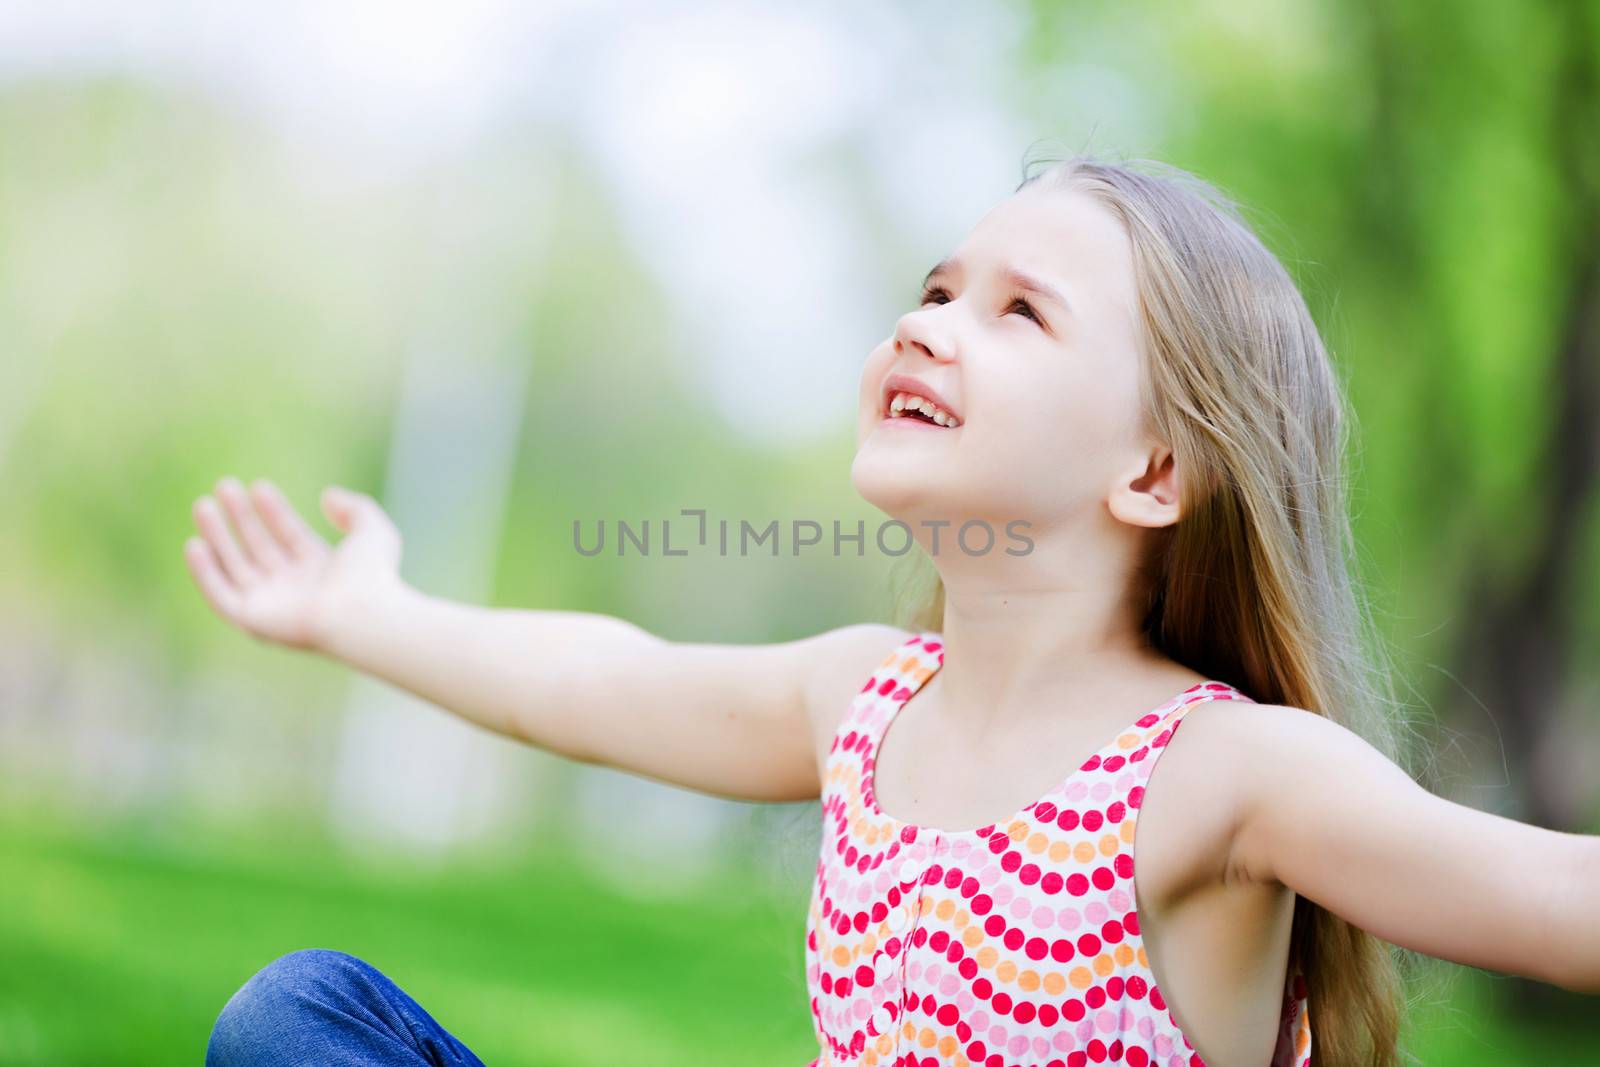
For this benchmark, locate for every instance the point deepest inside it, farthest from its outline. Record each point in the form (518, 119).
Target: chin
(891, 487)
(900, 487)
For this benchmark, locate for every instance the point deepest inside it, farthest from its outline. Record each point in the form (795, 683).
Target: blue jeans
(317, 1006)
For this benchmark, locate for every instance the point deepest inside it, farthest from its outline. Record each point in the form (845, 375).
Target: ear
(1146, 493)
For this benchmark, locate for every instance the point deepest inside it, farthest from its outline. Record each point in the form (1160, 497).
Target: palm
(274, 577)
(282, 604)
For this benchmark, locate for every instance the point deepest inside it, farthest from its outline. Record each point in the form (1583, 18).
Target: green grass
(120, 948)
(120, 945)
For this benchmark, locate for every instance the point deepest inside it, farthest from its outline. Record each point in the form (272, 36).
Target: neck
(1033, 640)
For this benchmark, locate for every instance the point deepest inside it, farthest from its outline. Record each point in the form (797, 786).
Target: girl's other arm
(1325, 813)
(749, 722)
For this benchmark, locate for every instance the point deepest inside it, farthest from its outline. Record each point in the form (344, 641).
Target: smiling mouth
(916, 409)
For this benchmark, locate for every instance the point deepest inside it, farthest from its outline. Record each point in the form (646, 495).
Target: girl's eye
(1025, 306)
(936, 294)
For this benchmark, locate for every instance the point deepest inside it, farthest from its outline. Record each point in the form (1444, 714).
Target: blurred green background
(509, 267)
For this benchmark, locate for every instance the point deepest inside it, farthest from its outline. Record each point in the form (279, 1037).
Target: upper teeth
(911, 401)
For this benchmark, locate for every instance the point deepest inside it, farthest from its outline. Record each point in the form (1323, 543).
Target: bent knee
(267, 1013)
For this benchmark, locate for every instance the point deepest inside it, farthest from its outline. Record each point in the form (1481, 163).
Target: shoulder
(1253, 745)
(838, 663)
(1245, 735)
(1249, 725)
(1262, 763)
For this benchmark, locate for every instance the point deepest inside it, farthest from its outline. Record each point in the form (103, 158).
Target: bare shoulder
(1260, 728)
(1271, 739)
(1233, 758)
(839, 661)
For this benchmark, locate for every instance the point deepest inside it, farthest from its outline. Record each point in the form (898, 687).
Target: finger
(339, 505)
(296, 538)
(214, 528)
(365, 521)
(214, 585)
(259, 546)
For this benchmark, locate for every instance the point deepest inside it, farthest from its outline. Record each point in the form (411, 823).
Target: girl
(1112, 358)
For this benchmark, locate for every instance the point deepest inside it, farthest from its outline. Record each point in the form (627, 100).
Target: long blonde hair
(1256, 584)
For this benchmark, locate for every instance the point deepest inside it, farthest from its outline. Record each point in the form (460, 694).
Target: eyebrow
(1011, 276)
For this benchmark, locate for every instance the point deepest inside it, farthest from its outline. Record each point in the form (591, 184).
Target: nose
(917, 331)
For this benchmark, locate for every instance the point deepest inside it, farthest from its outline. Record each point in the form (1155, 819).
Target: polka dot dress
(1013, 945)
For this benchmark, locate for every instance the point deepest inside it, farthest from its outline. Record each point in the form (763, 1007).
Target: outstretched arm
(750, 722)
(1326, 814)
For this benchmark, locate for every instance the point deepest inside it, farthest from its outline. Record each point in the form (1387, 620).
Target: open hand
(274, 577)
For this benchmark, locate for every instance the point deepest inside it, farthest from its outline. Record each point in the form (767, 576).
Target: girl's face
(1028, 336)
